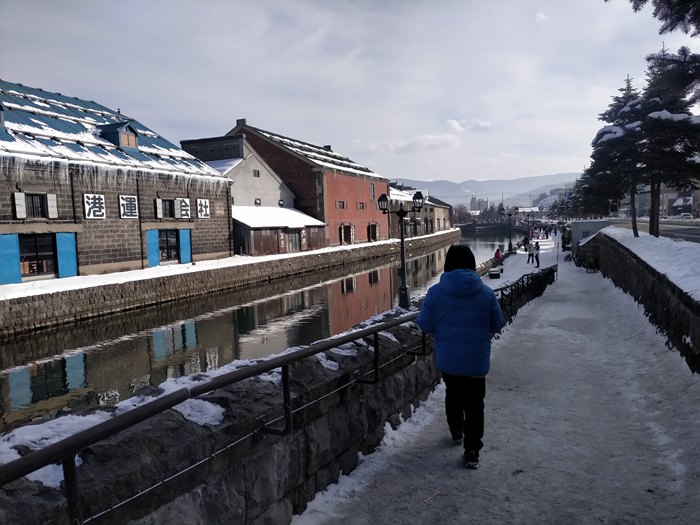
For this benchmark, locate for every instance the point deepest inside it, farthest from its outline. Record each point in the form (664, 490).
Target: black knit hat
(459, 257)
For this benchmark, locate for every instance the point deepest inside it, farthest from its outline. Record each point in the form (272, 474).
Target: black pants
(464, 406)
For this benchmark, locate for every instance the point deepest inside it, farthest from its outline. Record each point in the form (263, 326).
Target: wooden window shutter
(20, 206)
(159, 208)
(52, 206)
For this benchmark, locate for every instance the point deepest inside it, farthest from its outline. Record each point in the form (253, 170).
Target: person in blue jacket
(463, 314)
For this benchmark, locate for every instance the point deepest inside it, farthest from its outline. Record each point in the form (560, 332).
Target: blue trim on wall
(9, 259)
(185, 246)
(67, 254)
(152, 247)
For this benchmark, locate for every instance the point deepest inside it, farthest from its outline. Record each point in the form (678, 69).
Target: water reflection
(102, 363)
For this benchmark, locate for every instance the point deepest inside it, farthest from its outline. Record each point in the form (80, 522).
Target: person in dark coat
(463, 314)
(537, 254)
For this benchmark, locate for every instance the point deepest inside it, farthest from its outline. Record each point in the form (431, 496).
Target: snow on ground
(623, 312)
(589, 419)
(678, 260)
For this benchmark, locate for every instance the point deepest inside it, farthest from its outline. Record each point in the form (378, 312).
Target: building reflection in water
(107, 372)
(102, 372)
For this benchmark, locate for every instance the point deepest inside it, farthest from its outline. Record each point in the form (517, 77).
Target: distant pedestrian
(536, 253)
(498, 256)
(464, 314)
(530, 253)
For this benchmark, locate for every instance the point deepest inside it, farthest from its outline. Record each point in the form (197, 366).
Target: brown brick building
(326, 185)
(264, 218)
(87, 190)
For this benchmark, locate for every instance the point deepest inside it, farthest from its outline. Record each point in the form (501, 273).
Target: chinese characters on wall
(128, 207)
(95, 207)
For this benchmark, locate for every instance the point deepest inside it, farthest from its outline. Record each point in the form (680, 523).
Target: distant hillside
(516, 192)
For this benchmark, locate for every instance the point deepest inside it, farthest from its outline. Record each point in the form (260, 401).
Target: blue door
(9, 259)
(67, 255)
(185, 246)
(152, 247)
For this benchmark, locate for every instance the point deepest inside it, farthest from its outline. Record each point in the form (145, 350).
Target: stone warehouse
(87, 190)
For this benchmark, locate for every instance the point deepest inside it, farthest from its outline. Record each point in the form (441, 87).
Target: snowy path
(589, 419)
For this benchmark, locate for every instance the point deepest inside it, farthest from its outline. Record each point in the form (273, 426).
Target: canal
(103, 362)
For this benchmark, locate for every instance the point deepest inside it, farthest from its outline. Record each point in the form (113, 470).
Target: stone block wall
(243, 474)
(668, 306)
(114, 243)
(25, 314)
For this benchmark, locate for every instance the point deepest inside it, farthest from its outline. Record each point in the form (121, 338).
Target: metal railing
(65, 450)
(511, 297)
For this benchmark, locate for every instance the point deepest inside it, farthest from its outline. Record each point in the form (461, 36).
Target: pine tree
(614, 169)
(670, 135)
(674, 14)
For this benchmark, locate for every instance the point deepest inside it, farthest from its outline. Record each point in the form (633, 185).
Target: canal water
(106, 361)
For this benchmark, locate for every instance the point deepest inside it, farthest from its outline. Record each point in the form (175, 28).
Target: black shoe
(471, 459)
(457, 438)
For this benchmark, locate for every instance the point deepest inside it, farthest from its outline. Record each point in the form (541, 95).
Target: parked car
(686, 216)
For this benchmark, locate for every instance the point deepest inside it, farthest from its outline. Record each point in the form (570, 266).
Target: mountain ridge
(514, 192)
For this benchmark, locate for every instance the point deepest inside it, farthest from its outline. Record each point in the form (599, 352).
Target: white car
(686, 216)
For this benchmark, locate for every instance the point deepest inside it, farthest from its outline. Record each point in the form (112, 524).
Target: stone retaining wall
(30, 313)
(244, 475)
(668, 306)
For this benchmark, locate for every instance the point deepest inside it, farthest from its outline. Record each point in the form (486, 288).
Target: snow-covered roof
(44, 126)
(683, 201)
(322, 156)
(223, 166)
(272, 217)
(400, 195)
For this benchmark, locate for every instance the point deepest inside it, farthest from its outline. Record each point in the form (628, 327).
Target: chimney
(2, 116)
(328, 147)
(240, 122)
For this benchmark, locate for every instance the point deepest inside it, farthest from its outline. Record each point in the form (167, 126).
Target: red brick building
(326, 185)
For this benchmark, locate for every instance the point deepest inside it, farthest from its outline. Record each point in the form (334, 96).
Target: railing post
(70, 477)
(375, 371)
(288, 425)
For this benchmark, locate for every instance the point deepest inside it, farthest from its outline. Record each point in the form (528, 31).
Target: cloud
(418, 143)
(455, 126)
(480, 125)
(472, 125)
(383, 82)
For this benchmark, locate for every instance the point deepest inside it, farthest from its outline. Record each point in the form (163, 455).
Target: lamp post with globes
(511, 213)
(401, 213)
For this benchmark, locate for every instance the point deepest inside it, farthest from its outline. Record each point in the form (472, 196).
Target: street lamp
(383, 203)
(511, 214)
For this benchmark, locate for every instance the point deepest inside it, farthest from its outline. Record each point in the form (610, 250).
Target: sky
(449, 90)
(647, 247)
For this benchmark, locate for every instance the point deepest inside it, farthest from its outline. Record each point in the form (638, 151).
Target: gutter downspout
(138, 200)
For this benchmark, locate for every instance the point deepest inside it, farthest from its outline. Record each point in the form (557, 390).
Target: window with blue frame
(168, 245)
(37, 254)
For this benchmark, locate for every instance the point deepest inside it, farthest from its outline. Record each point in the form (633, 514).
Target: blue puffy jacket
(463, 313)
